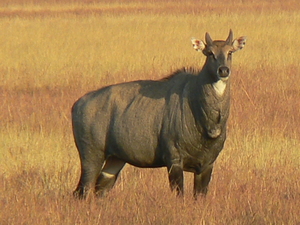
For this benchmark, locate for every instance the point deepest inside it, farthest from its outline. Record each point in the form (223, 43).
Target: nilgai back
(178, 122)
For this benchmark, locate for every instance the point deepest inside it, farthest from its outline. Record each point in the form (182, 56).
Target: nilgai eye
(210, 53)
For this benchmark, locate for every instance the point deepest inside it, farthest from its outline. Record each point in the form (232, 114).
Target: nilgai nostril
(223, 71)
(178, 122)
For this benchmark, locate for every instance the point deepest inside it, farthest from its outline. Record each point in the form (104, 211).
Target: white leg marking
(112, 166)
(108, 175)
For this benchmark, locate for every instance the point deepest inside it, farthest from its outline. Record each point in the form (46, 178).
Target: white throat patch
(219, 87)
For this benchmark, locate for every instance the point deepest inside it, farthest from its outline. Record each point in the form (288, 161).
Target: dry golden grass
(52, 52)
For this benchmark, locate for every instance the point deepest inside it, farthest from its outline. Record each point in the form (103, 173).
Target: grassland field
(52, 52)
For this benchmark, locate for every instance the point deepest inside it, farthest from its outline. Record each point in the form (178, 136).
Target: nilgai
(178, 122)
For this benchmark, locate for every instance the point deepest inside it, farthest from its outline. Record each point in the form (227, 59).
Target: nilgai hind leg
(90, 170)
(108, 175)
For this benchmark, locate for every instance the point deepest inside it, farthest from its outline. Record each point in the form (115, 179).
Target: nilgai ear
(239, 43)
(198, 45)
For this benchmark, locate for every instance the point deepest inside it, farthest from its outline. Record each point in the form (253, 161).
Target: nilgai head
(218, 61)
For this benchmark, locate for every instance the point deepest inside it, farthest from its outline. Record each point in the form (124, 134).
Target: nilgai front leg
(201, 181)
(176, 178)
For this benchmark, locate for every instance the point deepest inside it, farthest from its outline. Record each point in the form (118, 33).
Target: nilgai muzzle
(178, 122)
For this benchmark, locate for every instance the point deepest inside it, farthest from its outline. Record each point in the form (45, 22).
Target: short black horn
(230, 37)
(208, 39)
